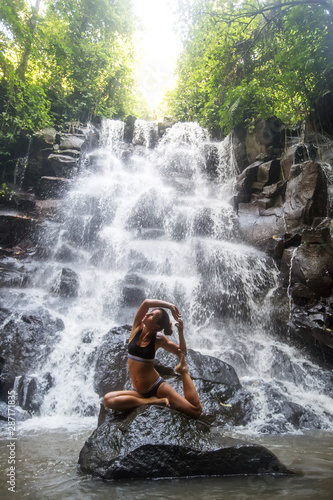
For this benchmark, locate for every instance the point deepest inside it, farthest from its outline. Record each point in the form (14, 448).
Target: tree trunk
(22, 68)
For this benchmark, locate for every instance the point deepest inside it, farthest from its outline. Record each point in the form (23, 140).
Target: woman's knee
(195, 410)
(109, 400)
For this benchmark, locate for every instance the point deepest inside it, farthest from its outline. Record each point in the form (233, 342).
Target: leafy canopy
(71, 61)
(245, 60)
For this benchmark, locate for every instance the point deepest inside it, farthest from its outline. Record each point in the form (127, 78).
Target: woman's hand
(175, 312)
(182, 343)
(180, 325)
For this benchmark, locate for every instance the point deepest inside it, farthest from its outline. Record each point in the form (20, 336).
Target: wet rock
(129, 128)
(265, 140)
(312, 327)
(164, 126)
(239, 147)
(42, 146)
(268, 173)
(306, 196)
(70, 141)
(52, 209)
(111, 371)
(212, 160)
(139, 261)
(56, 155)
(133, 290)
(244, 182)
(29, 395)
(149, 212)
(30, 391)
(61, 165)
(203, 224)
(66, 254)
(20, 415)
(16, 229)
(45, 137)
(312, 267)
(67, 284)
(24, 202)
(154, 442)
(12, 276)
(288, 415)
(27, 338)
(53, 187)
(145, 133)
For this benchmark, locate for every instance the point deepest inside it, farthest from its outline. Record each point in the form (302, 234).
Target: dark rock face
(52, 187)
(111, 372)
(16, 228)
(313, 325)
(68, 284)
(26, 341)
(283, 208)
(20, 415)
(56, 155)
(306, 195)
(154, 442)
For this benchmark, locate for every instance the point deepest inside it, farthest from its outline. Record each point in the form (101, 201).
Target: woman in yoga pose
(149, 387)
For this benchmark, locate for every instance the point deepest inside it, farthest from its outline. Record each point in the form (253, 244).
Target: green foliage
(6, 193)
(71, 62)
(254, 59)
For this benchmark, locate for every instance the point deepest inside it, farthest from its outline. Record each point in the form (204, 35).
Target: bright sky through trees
(157, 46)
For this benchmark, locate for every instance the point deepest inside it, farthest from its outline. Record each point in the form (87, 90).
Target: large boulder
(312, 327)
(215, 380)
(27, 338)
(55, 154)
(306, 196)
(155, 442)
(311, 271)
(16, 229)
(111, 372)
(265, 140)
(53, 187)
(67, 284)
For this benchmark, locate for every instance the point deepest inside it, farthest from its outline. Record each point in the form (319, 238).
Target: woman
(144, 341)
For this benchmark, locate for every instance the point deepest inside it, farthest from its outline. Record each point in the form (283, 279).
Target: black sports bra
(143, 354)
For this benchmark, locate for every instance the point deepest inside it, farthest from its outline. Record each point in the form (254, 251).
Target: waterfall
(145, 221)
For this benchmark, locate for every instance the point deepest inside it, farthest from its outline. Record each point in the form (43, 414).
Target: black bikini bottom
(152, 391)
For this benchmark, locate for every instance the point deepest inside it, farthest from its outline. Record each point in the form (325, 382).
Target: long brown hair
(164, 321)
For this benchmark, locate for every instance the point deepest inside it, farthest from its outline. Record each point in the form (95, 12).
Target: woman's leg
(190, 404)
(128, 400)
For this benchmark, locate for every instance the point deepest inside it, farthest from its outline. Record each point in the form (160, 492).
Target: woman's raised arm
(182, 343)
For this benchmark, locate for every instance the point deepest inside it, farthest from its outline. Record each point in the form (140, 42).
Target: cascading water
(157, 222)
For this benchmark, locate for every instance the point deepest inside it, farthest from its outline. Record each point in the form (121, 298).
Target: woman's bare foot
(157, 401)
(181, 367)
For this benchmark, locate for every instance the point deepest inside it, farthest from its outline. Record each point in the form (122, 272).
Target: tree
(73, 62)
(254, 59)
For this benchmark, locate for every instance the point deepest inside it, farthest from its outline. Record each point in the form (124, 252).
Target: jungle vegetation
(72, 60)
(63, 60)
(250, 59)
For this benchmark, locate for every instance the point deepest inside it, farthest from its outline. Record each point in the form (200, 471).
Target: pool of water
(46, 468)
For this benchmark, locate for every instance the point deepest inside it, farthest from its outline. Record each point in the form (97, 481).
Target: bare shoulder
(134, 331)
(161, 340)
